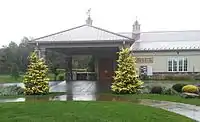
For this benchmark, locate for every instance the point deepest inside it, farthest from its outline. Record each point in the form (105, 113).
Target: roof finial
(89, 20)
(136, 21)
(88, 12)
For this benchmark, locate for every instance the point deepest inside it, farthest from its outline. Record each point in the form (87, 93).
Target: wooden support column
(115, 63)
(69, 75)
(96, 68)
(43, 53)
(37, 51)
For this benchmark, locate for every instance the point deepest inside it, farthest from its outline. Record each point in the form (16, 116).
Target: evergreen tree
(126, 79)
(35, 79)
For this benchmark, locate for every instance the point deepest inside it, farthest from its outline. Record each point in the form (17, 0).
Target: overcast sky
(35, 18)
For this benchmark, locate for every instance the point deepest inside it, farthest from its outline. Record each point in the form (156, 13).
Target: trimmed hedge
(157, 90)
(190, 89)
(178, 87)
(11, 90)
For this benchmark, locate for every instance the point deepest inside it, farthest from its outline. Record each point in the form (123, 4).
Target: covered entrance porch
(104, 62)
(85, 40)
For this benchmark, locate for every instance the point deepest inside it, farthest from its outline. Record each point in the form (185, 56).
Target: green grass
(171, 81)
(85, 112)
(45, 97)
(10, 79)
(172, 98)
(134, 97)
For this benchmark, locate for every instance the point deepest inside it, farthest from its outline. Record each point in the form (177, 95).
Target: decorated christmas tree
(36, 78)
(126, 78)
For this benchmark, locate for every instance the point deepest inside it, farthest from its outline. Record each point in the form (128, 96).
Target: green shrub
(146, 90)
(61, 77)
(54, 71)
(144, 77)
(11, 90)
(60, 71)
(169, 91)
(190, 89)
(178, 87)
(178, 77)
(198, 85)
(157, 90)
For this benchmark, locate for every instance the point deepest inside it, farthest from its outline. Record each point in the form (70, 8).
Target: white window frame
(184, 64)
(177, 59)
(171, 65)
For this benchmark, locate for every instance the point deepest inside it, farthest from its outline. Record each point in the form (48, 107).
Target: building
(166, 52)
(157, 53)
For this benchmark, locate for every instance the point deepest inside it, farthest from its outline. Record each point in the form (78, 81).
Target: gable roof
(83, 33)
(167, 40)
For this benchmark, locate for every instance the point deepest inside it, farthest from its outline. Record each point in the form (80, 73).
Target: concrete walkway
(190, 111)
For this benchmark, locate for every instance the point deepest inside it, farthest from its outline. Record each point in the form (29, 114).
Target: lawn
(85, 112)
(10, 79)
(171, 81)
(172, 98)
(134, 97)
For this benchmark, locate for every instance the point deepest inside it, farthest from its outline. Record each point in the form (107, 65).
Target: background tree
(24, 50)
(36, 78)
(126, 79)
(15, 71)
(15, 54)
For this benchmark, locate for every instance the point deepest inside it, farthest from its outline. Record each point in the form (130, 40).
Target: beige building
(166, 52)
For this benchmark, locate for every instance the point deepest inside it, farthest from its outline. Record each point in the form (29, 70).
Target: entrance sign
(144, 60)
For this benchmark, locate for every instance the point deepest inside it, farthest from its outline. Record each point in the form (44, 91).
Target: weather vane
(88, 12)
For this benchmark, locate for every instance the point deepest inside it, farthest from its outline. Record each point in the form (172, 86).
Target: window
(170, 65)
(185, 64)
(175, 64)
(178, 64)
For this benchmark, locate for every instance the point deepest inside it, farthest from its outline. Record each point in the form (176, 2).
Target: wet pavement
(74, 90)
(89, 91)
(73, 87)
(190, 111)
(6, 100)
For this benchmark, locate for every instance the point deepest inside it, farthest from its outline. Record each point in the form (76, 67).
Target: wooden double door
(106, 69)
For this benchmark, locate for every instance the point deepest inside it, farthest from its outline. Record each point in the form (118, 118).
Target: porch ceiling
(86, 51)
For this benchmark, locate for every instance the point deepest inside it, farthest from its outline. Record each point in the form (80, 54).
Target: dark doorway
(105, 69)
